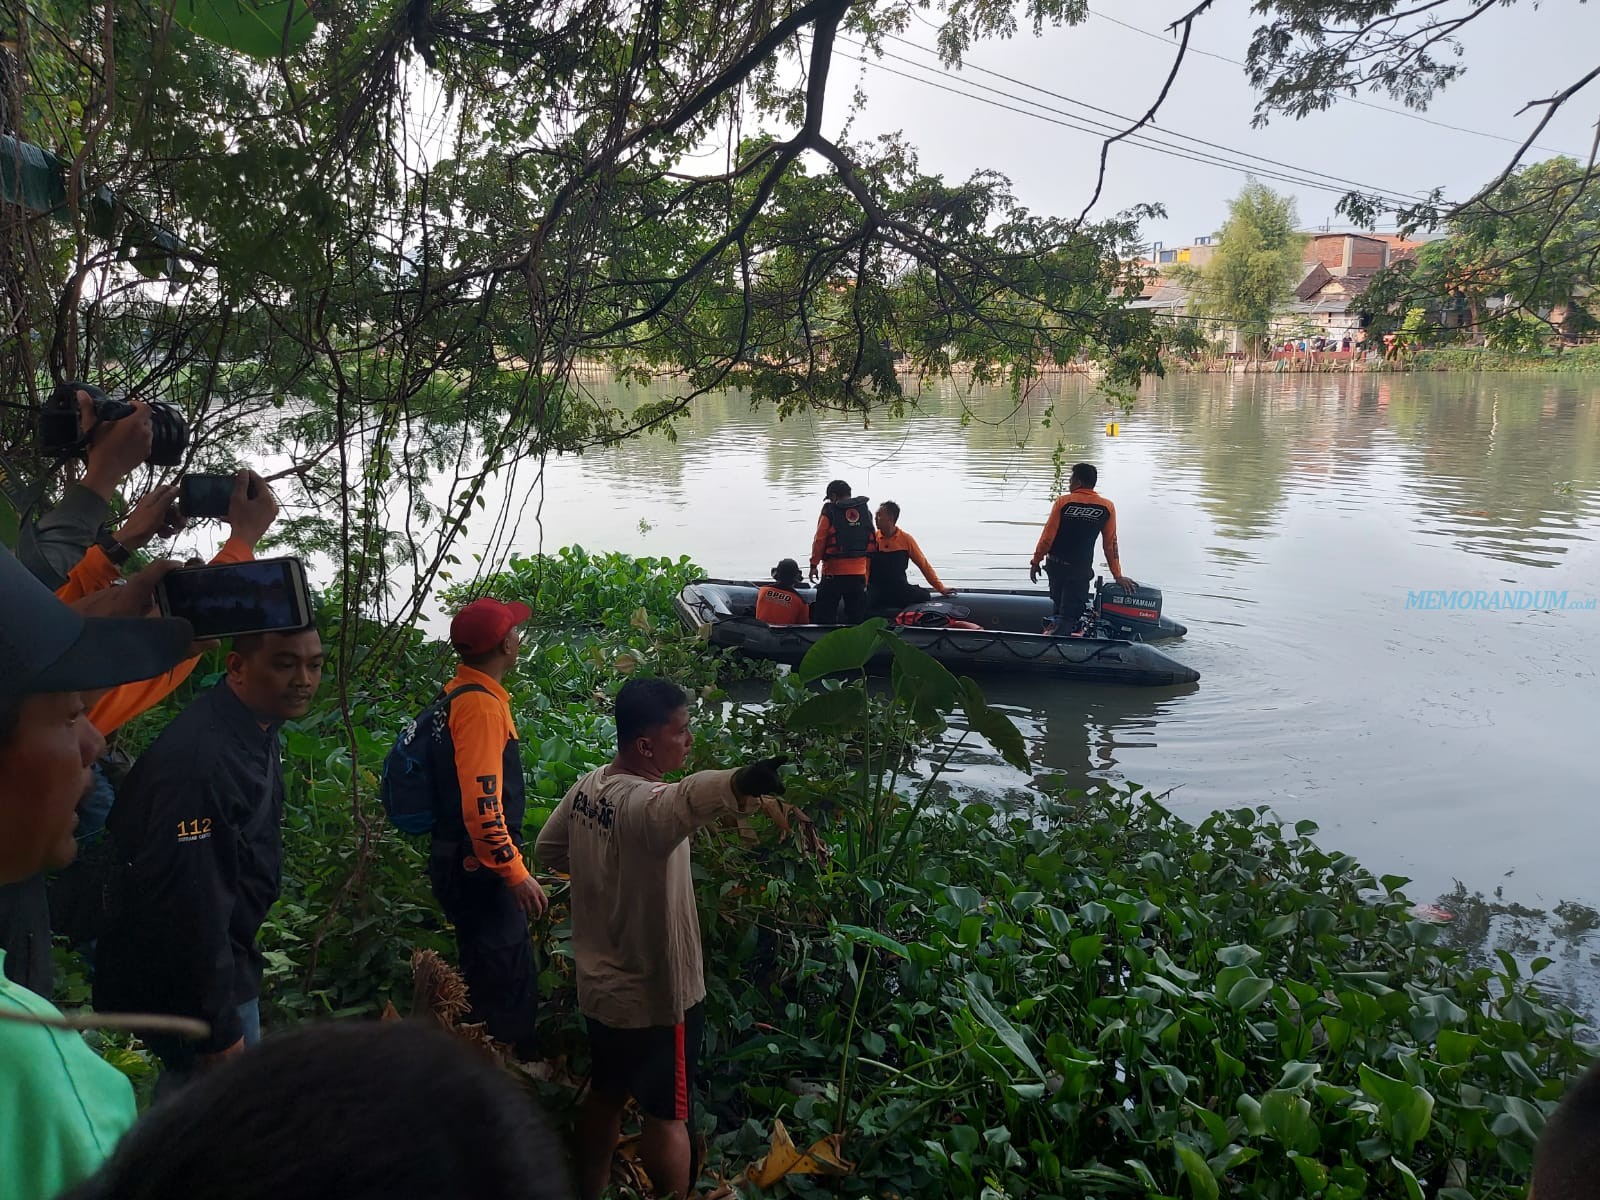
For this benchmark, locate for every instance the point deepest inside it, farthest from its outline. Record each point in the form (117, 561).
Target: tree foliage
(1516, 270)
(1256, 263)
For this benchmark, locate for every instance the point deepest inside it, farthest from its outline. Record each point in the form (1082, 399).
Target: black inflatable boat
(1116, 649)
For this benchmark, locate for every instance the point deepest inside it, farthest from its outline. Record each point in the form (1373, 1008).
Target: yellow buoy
(1112, 429)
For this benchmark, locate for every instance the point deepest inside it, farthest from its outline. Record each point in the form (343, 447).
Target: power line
(1383, 108)
(1124, 120)
(1098, 129)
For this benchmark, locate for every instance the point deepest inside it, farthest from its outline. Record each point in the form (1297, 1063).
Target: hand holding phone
(224, 601)
(205, 495)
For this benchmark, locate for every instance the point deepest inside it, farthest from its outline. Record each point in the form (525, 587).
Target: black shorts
(655, 1065)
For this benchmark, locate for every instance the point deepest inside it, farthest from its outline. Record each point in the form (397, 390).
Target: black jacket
(199, 823)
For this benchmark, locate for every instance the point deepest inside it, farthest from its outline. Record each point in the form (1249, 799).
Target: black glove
(760, 778)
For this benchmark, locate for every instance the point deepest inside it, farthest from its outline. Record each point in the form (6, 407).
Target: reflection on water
(1286, 520)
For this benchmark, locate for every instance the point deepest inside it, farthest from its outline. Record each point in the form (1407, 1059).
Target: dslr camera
(61, 433)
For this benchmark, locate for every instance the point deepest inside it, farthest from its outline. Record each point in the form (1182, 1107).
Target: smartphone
(237, 598)
(205, 495)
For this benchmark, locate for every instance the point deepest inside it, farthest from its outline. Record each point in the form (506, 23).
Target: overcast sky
(1512, 56)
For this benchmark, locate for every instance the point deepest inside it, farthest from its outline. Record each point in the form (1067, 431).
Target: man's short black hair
(249, 643)
(357, 1110)
(839, 488)
(645, 705)
(894, 509)
(1087, 473)
(1566, 1162)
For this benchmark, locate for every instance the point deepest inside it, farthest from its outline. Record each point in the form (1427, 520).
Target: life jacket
(887, 569)
(1083, 515)
(851, 536)
(934, 618)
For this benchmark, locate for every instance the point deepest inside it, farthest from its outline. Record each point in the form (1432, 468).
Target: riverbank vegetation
(1085, 996)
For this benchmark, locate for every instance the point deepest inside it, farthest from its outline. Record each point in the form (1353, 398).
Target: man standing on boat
(887, 585)
(1066, 548)
(843, 545)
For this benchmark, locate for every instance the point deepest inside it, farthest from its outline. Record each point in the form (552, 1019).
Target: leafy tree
(1518, 267)
(1257, 261)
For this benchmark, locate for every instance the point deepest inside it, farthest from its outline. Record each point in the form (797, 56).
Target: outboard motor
(1127, 613)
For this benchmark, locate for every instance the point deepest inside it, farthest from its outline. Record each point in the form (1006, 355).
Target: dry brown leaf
(783, 1158)
(390, 1013)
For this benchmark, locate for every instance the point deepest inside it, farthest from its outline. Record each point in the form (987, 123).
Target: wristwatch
(114, 550)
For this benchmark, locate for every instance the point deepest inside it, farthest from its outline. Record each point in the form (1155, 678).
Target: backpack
(852, 528)
(409, 788)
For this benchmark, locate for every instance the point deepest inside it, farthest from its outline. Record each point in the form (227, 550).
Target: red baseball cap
(484, 623)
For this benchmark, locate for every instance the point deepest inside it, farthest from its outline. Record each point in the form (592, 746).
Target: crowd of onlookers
(181, 860)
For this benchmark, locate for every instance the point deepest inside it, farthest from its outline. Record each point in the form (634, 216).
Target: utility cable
(1383, 108)
(1041, 113)
(1124, 121)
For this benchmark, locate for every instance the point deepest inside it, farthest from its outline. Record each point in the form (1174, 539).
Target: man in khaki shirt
(622, 834)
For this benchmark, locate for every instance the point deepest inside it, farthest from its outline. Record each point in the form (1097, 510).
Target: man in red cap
(475, 864)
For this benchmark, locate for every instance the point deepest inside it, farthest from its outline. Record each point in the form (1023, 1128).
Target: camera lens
(169, 435)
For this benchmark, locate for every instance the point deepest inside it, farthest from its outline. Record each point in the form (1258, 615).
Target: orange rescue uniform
(824, 541)
(483, 733)
(779, 606)
(902, 542)
(1075, 520)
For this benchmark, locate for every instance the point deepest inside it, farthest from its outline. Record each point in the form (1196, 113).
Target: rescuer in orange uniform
(1066, 547)
(475, 862)
(843, 545)
(895, 550)
(779, 602)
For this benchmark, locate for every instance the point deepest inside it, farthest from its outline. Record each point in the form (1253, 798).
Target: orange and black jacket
(482, 799)
(891, 554)
(844, 538)
(120, 705)
(1076, 519)
(779, 606)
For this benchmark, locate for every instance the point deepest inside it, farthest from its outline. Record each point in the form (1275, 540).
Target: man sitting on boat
(1066, 548)
(887, 585)
(779, 602)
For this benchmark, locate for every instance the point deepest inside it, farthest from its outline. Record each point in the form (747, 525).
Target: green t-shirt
(62, 1108)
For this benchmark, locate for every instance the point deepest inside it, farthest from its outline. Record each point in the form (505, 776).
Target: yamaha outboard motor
(1130, 613)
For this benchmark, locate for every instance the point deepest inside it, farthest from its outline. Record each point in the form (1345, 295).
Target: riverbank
(1093, 995)
(1457, 359)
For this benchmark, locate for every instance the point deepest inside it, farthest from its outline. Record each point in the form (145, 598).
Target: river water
(1288, 520)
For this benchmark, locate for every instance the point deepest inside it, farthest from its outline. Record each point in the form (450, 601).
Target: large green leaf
(1405, 1109)
(829, 710)
(842, 650)
(1003, 735)
(987, 1013)
(921, 682)
(31, 178)
(262, 30)
(1201, 1181)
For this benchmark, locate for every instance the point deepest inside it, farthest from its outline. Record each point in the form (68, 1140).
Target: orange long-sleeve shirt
(1075, 520)
(833, 566)
(481, 728)
(890, 543)
(94, 572)
(122, 704)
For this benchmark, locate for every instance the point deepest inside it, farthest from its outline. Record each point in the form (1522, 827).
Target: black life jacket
(852, 528)
(1080, 523)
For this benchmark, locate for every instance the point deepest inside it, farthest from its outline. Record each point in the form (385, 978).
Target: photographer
(25, 925)
(64, 1107)
(116, 449)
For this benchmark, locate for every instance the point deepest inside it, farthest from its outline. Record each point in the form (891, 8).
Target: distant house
(1339, 269)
